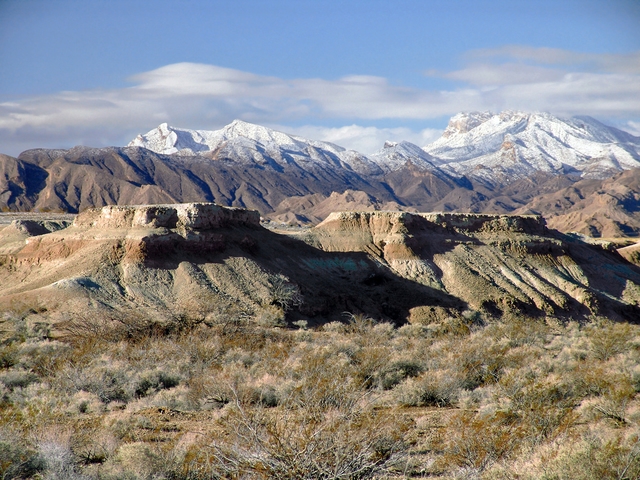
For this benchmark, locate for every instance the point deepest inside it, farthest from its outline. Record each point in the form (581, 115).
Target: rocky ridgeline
(182, 216)
(453, 222)
(34, 228)
(400, 237)
(203, 260)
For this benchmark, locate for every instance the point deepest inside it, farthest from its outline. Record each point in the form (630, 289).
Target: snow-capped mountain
(489, 163)
(248, 143)
(395, 155)
(490, 148)
(500, 148)
(169, 140)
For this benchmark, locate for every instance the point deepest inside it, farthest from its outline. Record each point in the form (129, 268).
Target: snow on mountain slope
(394, 155)
(169, 140)
(248, 143)
(494, 149)
(497, 148)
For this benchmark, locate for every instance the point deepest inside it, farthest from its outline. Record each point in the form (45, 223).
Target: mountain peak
(514, 144)
(508, 145)
(464, 122)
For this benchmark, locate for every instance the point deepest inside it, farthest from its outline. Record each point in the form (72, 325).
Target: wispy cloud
(603, 62)
(208, 96)
(633, 128)
(554, 80)
(364, 139)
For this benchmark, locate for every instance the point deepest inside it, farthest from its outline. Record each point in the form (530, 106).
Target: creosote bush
(236, 393)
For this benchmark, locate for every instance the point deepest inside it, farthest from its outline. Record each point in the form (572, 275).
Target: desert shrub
(344, 440)
(44, 358)
(265, 396)
(17, 379)
(138, 460)
(614, 402)
(432, 389)
(334, 327)
(92, 444)
(520, 331)
(17, 460)
(544, 408)
(201, 351)
(108, 383)
(507, 398)
(369, 364)
(607, 339)
(301, 324)
(22, 322)
(129, 326)
(284, 293)
(8, 355)
(55, 452)
(229, 317)
(154, 381)
(478, 361)
(413, 331)
(598, 455)
(474, 442)
(359, 325)
(457, 326)
(271, 316)
(395, 372)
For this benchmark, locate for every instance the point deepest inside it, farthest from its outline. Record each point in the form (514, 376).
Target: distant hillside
(483, 163)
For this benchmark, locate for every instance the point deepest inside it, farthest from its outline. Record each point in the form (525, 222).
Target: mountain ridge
(476, 144)
(289, 178)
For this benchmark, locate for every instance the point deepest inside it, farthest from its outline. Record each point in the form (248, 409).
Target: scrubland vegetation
(470, 397)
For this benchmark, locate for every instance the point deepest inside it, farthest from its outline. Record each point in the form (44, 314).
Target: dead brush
(477, 441)
(300, 439)
(129, 326)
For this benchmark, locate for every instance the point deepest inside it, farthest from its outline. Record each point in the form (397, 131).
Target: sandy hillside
(206, 262)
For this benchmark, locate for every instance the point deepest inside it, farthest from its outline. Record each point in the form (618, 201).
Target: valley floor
(469, 397)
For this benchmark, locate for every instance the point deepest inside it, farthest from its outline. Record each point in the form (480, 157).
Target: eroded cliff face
(209, 262)
(494, 263)
(154, 260)
(181, 216)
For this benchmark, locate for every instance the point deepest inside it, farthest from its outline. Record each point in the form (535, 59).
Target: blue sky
(98, 72)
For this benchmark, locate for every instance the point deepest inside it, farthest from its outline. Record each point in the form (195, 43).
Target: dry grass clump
(231, 395)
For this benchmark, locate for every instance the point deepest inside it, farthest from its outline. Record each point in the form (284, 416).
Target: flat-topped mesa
(477, 222)
(187, 216)
(389, 222)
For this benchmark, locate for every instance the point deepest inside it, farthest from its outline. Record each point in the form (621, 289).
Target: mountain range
(581, 174)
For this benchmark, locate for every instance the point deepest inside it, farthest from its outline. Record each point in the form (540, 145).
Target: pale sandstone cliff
(496, 263)
(204, 261)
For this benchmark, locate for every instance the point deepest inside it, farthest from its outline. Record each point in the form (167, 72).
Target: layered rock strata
(495, 263)
(212, 263)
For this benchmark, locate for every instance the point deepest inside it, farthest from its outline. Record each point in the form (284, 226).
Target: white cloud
(504, 74)
(363, 139)
(603, 62)
(207, 97)
(633, 128)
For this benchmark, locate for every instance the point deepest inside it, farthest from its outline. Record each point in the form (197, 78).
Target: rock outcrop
(207, 262)
(186, 216)
(494, 263)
